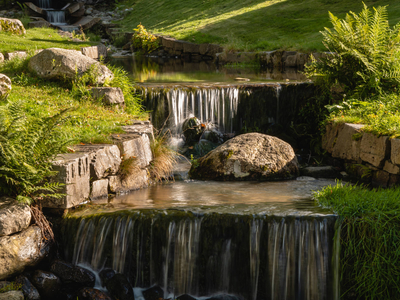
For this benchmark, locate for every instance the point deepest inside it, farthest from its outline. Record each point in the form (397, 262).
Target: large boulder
(55, 63)
(5, 86)
(14, 216)
(251, 156)
(19, 251)
(14, 26)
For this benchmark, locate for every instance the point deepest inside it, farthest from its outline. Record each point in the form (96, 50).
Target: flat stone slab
(73, 171)
(14, 216)
(105, 159)
(395, 151)
(19, 251)
(138, 180)
(346, 147)
(140, 127)
(99, 189)
(95, 52)
(5, 85)
(135, 145)
(109, 95)
(374, 150)
(15, 54)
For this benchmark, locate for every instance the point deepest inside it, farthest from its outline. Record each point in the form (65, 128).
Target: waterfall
(56, 17)
(255, 257)
(43, 3)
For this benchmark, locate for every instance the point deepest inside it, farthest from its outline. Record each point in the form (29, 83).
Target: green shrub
(144, 40)
(364, 56)
(369, 237)
(27, 147)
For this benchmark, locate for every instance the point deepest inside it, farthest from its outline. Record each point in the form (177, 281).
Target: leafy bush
(144, 40)
(369, 237)
(27, 147)
(364, 54)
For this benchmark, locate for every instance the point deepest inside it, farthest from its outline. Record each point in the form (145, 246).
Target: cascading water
(230, 107)
(44, 3)
(253, 256)
(56, 17)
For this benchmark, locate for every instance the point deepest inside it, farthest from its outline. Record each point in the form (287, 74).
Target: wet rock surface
(192, 130)
(251, 156)
(47, 283)
(73, 275)
(93, 294)
(120, 288)
(153, 293)
(28, 289)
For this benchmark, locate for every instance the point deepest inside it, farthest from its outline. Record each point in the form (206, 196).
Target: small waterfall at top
(44, 3)
(56, 17)
(256, 257)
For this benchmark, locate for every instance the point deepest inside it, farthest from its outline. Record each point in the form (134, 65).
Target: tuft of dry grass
(128, 167)
(164, 158)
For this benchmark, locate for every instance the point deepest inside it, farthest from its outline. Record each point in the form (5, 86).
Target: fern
(27, 147)
(364, 54)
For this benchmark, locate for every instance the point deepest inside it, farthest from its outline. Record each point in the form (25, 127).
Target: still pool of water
(162, 70)
(284, 198)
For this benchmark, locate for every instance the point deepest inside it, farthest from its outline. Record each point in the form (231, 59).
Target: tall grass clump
(370, 239)
(364, 54)
(164, 158)
(27, 147)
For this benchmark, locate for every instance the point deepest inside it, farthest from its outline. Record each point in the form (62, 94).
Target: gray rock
(1, 58)
(5, 86)
(374, 150)
(380, 179)
(12, 295)
(74, 171)
(135, 145)
(73, 275)
(346, 147)
(16, 54)
(14, 216)
(395, 151)
(104, 159)
(251, 156)
(14, 26)
(391, 168)
(28, 289)
(95, 52)
(109, 95)
(138, 180)
(92, 294)
(19, 251)
(120, 288)
(47, 283)
(61, 63)
(99, 189)
(320, 172)
(140, 127)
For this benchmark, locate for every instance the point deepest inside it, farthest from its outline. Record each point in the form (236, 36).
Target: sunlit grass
(37, 38)
(245, 25)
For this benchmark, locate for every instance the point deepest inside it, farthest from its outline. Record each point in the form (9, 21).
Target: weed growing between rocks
(370, 239)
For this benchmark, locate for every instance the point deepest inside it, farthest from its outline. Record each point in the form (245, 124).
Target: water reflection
(278, 198)
(156, 69)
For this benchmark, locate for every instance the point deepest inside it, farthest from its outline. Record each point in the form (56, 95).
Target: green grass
(380, 114)
(89, 122)
(370, 239)
(38, 38)
(247, 24)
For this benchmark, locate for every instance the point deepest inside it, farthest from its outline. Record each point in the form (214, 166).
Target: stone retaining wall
(93, 171)
(369, 158)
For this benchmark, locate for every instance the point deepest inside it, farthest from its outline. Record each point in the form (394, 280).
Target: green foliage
(122, 80)
(82, 83)
(27, 147)
(144, 40)
(370, 239)
(380, 114)
(12, 286)
(364, 56)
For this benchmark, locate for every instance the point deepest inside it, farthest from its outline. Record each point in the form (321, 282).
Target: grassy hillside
(37, 38)
(245, 24)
